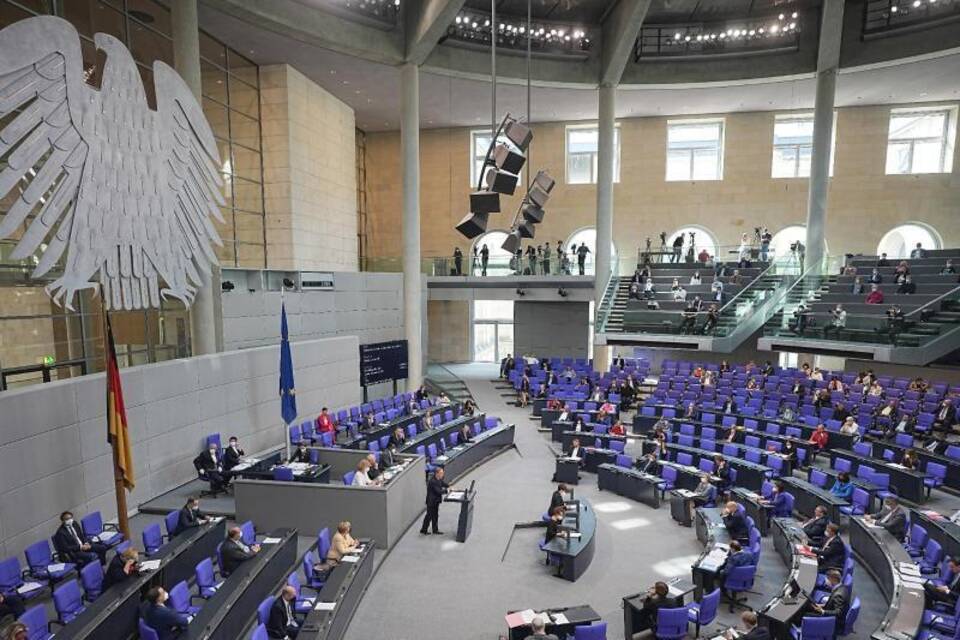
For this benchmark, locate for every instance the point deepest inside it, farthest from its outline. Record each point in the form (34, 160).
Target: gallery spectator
(875, 296)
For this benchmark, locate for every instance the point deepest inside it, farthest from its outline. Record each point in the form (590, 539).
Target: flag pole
(119, 490)
(286, 427)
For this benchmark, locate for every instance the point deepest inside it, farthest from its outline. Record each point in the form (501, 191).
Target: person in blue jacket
(842, 488)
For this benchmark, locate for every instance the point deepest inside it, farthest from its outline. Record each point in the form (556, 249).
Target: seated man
(539, 630)
(301, 453)
(735, 522)
(648, 464)
(71, 544)
(892, 517)
(738, 557)
(282, 625)
(575, 450)
(232, 454)
(389, 457)
(751, 631)
(190, 516)
(11, 605)
(832, 553)
(816, 527)
(950, 590)
(837, 602)
(235, 551)
(398, 438)
(657, 596)
(162, 619)
(210, 468)
(466, 436)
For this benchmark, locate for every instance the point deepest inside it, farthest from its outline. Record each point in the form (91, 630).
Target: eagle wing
(192, 193)
(45, 143)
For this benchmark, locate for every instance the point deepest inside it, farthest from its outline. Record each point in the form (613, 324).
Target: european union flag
(288, 394)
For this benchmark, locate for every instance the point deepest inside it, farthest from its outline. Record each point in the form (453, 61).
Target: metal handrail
(934, 301)
(743, 290)
(608, 298)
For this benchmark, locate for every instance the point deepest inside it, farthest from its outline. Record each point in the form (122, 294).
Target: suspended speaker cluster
(531, 211)
(499, 175)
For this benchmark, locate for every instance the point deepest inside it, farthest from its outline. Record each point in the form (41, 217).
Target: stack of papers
(350, 559)
(455, 495)
(325, 606)
(441, 458)
(270, 541)
(27, 587)
(559, 618)
(58, 566)
(149, 565)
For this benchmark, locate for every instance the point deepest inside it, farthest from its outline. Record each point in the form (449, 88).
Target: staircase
(612, 305)
(439, 378)
(731, 315)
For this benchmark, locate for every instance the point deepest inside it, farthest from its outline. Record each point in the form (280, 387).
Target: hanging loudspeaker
(507, 159)
(484, 202)
(532, 213)
(512, 243)
(526, 229)
(538, 196)
(544, 181)
(500, 181)
(519, 134)
(473, 224)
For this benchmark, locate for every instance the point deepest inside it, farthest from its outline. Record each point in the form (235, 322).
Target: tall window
(499, 260)
(921, 140)
(582, 146)
(588, 236)
(793, 146)
(479, 141)
(492, 330)
(901, 240)
(695, 150)
(703, 239)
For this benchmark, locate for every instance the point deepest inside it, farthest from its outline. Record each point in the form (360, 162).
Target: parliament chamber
(481, 319)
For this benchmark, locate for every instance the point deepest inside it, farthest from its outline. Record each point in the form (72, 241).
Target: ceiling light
(916, 3)
(486, 23)
(753, 32)
(687, 39)
(676, 36)
(893, 9)
(781, 16)
(522, 30)
(474, 25)
(794, 15)
(459, 19)
(792, 25)
(774, 28)
(699, 38)
(760, 30)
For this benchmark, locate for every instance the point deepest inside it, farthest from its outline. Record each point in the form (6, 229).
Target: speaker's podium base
(465, 521)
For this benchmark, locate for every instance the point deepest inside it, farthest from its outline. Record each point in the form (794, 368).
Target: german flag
(117, 434)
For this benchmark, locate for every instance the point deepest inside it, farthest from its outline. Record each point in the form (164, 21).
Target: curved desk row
(629, 483)
(643, 424)
(786, 465)
(749, 474)
(906, 482)
(786, 609)
(808, 497)
(576, 553)
(116, 612)
(459, 460)
(722, 432)
(234, 605)
(939, 528)
(713, 534)
(359, 439)
(952, 478)
(344, 587)
(884, 557)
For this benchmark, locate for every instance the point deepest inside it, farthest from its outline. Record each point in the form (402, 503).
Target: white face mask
(213, 452)
(68, 522)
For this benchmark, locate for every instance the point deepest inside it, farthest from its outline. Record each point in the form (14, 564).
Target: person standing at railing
(457, 261)
(743, 252)
(713, 317)
(582, 252)
(677, 248)
(765, 239)
(484, 259)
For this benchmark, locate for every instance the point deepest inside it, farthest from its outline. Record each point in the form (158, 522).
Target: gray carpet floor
(430, 587)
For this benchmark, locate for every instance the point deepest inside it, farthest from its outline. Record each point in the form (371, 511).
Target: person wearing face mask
(282, 625)
(301, 454)
(235, 551)
(231, 457)
(70, 543)
(190, 516)
(210, 467)
(161, 618)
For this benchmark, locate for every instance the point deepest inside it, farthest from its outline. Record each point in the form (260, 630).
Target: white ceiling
(373, 90)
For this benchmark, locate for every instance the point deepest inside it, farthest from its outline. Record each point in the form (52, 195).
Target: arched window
(780, 244)
(703, 239)
(901, 240)
(586, 235)
(499, 263)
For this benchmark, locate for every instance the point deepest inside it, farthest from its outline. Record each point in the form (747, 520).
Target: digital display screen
(383, 361)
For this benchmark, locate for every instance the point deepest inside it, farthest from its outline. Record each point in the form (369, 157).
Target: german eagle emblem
(124, 194)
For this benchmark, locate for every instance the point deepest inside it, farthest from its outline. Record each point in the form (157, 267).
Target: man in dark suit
(751, 630)
(735, 522)
(837, 602)
(729, 406)
(832, 553)
(558, 499)
(11, 605)
(657, 596)
(71, 544)
(946, 416)
(949, 591)
(235, 551)
(232, 455)
(210, 468)
(282, 625)
(816, 527)
(538, 626)
(388, 457)
(301, 453)
(162, 619)
(398, 438)
(190, 515)
(436, 488)
(737, 557)
(721, 469)
(892, 517)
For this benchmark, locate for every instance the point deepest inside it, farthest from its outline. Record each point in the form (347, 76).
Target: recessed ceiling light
(346, 82)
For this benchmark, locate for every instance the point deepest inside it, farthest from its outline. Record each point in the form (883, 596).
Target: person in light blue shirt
(842, 488)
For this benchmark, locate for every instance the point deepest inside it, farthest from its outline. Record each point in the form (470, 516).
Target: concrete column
(410, 165)
(206, 324)
(828, 60)
(605, 151)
